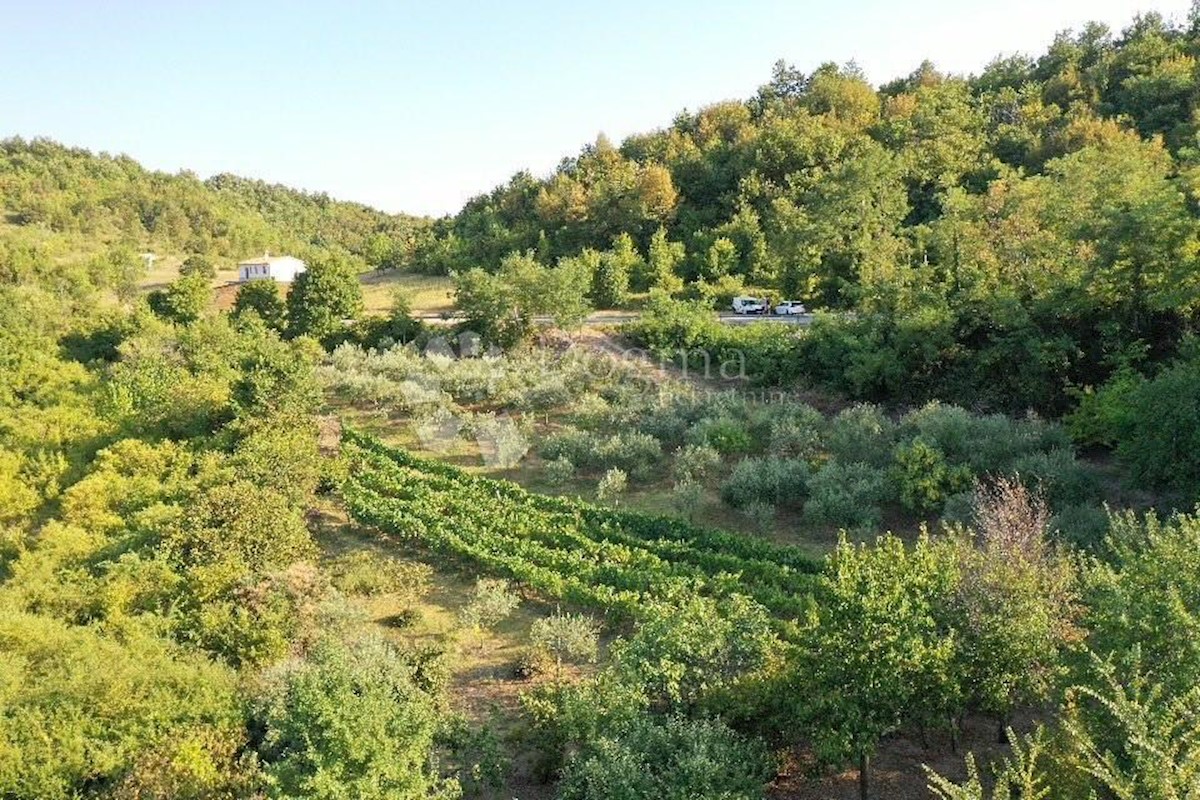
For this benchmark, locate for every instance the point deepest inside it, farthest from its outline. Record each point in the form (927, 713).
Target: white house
(282, 269)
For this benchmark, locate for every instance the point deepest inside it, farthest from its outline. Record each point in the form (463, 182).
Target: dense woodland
(1040, 215)
(61, 200)
(202, 511)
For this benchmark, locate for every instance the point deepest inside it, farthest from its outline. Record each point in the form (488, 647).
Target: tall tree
(665, 259)
(325, 298)
(878, 613)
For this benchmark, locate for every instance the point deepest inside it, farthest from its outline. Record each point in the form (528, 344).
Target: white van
(748, 305)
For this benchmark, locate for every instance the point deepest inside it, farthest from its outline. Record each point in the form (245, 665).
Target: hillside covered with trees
(1040, 215)
(59, 201)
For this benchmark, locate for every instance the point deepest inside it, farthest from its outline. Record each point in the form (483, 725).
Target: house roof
(267, 260)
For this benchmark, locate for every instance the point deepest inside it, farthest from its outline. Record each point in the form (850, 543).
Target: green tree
(183, 301)
(1022, 774)
(324, 299)
(665, 259)
(1014, 609)
(491, 603)
(566, 637)
(722, 258)
(878, 611)
(262, 298)
(613, 270)
(502, 307)
(1144, 597)
(81, 707)
(612, 486)
(197, 264)
(1133, 738)
(1119, 202)
(1155, 425)
(687, 651)
(673, 759)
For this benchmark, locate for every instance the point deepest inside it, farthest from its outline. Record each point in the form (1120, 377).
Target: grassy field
(427, 294)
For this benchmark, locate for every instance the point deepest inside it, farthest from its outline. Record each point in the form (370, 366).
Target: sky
(416, 107)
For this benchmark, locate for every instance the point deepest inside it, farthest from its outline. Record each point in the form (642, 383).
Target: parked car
(749, 305)
(788, 308)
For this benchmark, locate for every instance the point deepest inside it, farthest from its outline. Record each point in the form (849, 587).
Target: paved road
(803, 320)
(600, 319)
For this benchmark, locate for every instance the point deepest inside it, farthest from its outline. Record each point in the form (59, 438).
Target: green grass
(427, 294)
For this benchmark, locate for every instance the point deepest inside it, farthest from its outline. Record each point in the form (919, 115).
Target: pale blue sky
(418, 106)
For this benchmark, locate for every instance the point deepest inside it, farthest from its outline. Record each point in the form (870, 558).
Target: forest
(273, 541)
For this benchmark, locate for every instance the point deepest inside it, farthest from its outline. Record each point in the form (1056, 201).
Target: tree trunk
(953, 735)
(864, 777)
(1002, 730)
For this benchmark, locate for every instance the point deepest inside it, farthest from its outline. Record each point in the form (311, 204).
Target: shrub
(82, 709)
(676, 758)
(546, 395)
(243, 525)
(959, 509)
(367, 573)
(924, 478)
(861, 434)
(1105, 414)
(686, 652)
(996, 441)
(593, 410)
(575, 445)
(768, 481)
(1144, 597)
(637, 454)
(797, 433)
(351, 721)
(1084, 525)
(478, 756)
(559, 471)
(667, 423)
(491, 602)
(1158, 435)
(1064, 480)
(948, 428)
(467, 380)
(727, 435)
(846, 495)
(612, 486)
(695, 462)
(630, 451)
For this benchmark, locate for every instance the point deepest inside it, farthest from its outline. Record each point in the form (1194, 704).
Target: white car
(790, 308)
(748, 305)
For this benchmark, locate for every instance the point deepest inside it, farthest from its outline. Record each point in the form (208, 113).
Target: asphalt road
(602, 318)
